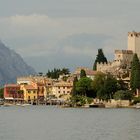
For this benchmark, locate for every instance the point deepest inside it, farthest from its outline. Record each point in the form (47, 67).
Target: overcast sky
(66, 33)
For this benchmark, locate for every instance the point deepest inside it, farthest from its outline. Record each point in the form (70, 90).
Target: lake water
(53, 123)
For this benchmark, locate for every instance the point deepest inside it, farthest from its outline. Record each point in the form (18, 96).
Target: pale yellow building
(30, 93)
(62, 89)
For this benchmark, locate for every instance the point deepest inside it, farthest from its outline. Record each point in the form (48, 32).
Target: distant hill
(12, 65)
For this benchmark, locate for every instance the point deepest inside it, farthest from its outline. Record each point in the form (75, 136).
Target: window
(28, 97)
(29, 91)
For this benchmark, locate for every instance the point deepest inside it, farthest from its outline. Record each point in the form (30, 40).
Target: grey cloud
(75, 50)
(70, 32)
(70, 8)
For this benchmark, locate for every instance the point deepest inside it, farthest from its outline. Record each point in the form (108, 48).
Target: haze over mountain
(12, 65)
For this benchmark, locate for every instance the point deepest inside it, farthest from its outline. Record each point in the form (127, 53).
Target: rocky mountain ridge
(12, 65)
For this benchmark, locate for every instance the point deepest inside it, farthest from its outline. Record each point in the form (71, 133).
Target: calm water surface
(52, 123)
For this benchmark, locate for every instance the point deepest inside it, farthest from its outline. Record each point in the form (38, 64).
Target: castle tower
(134, 42)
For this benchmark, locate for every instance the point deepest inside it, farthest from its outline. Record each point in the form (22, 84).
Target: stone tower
(134, 42)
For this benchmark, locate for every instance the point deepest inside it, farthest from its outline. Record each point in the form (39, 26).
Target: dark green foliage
(82, 73)
(84, 86)
(135, 73)
(40, 73)
(78, 100)
(98, 81)
(101, 93)
(74, 92)
(105, 86)
(122, 85)
(55, 73)
(1, 92)
(99, 58)
(123, 95)
(110, 86)
(136, 100)
(65, 71)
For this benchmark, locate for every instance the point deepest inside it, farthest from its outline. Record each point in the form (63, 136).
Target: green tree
(101, 93)
(78, 100)
(55, 73)
(48, 74)
(110, 86)
(123, 95)
(99, 58)
(65, 71)
(84, 86)
(98, 81)
(74, 92)
(1, 92)
(136, 100)
(122, 85)
(82, 73)
(135, 73)
(105, 86)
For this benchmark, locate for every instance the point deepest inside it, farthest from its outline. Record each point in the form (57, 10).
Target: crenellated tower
(134, 42)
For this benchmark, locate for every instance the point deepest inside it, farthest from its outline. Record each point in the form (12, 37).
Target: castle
(120, 66)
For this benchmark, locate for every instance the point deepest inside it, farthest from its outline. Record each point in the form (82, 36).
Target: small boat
(25, 105)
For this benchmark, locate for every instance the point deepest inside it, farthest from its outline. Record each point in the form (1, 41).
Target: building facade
(13, 92)
(120, 65)
(30, 93)
(134, 42)
(61, 89)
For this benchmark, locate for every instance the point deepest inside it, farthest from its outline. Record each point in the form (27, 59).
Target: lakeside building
(45, 88)
(12, 93)
(62, 89)
(30, 93)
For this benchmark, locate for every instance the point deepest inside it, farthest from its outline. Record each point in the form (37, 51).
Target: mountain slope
(12, 65)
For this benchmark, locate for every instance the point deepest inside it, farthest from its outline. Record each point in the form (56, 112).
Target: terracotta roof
(30, 87)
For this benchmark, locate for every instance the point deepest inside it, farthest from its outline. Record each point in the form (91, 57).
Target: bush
(136, 100)
(123, 95)
(79, 100)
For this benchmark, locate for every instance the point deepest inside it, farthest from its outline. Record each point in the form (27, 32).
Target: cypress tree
(74, 92)
(135, 73)
(99, 58)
